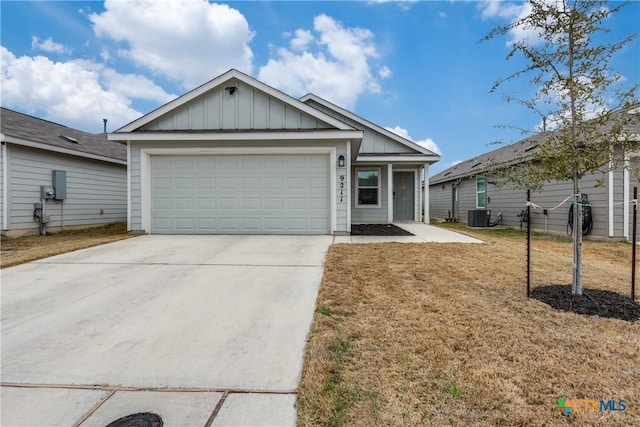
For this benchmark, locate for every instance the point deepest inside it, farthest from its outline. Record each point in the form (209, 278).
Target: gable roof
(370, 125)
(517, 152)
(222, 80)
(22, 129)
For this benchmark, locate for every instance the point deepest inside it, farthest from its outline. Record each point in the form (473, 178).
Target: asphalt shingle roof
(29, 128)
(511, 154)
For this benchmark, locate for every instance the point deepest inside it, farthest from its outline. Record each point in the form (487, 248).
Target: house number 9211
(341, 188)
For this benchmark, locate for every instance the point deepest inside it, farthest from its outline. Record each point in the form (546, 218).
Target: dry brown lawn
(442, 334)
(19, 250)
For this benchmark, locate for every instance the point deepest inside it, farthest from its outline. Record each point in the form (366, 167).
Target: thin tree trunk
(576, 285)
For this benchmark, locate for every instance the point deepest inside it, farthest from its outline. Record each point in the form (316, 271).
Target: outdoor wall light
(341, 161)
(231, 89)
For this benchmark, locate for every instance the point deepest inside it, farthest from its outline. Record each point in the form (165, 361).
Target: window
(368, 188)
(481, 193)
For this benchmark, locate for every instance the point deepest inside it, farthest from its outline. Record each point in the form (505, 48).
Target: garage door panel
(228, 183)
(296, 204)
(206, 204)
(253, 194)
(228, 203)
(251, 183)
(251, 203)
(229, 224)
(273, 183)
(274, 203)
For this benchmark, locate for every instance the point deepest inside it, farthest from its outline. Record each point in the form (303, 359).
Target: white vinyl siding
(96, 191)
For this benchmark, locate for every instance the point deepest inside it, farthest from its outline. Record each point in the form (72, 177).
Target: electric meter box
(59, 180)
(46, 191)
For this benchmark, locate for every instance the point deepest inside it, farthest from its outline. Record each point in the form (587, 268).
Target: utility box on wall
(59, 180)
(46, 192)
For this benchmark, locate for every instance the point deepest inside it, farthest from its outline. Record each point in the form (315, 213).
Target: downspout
(128, 186)
(626, 197)
(417, 208)
(5, 184)
(427, 218)
(611, 223)
(390, 200)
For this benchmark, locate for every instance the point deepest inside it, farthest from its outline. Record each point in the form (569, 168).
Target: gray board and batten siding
(248, 109)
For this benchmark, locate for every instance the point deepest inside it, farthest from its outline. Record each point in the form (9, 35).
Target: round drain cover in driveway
(143, 419)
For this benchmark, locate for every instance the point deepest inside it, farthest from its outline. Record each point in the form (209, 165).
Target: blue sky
(412, 66)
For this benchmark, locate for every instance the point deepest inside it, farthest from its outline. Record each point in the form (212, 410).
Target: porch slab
(422, 233)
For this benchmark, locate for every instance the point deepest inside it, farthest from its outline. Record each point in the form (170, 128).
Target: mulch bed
(592, 302)
(378, 230)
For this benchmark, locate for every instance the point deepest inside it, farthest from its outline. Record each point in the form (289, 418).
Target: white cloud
(384, 72)
(427, 143)
(403, 4)
(76, 93)
(47, 45)
(188, 41)
(301, 40)
(338, 69)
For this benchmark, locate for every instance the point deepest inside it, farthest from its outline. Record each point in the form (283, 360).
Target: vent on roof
(69, 138)
(529, 148)
(476, 165)
(447, 174)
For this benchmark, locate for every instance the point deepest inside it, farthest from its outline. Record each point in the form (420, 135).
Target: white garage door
(248, 194)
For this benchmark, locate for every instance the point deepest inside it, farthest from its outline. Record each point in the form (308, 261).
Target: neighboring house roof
(515, 153)
(367, 124)
(22, 129)
(231, 75)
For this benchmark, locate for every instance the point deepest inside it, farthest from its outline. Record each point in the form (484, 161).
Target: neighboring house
(236, 156)
(467, 186)
(92, 170)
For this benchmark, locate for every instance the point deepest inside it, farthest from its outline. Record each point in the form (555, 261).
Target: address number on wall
(342, 189)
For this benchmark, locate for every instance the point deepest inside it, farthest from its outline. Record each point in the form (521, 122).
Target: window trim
(484, 193)
(357, 188)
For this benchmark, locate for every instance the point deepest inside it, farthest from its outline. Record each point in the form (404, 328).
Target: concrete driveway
(202, 330)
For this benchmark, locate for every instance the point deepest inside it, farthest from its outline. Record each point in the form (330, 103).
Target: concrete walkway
(423, 233)
(202, 330)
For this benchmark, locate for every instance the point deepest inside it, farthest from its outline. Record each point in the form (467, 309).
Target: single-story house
(236, 156)
(470, 186)
(69, 178)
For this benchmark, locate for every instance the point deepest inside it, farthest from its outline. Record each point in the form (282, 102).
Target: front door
(403, 196)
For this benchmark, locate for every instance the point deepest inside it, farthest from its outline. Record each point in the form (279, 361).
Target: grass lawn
(443, 334)
(30, 248)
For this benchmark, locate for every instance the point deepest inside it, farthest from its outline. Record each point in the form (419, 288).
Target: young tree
(577, 93)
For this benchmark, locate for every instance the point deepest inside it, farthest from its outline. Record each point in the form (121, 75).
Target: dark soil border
(593, 302)
(378, 230)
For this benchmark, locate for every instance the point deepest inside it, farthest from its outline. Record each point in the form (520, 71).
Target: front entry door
(403, 196)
